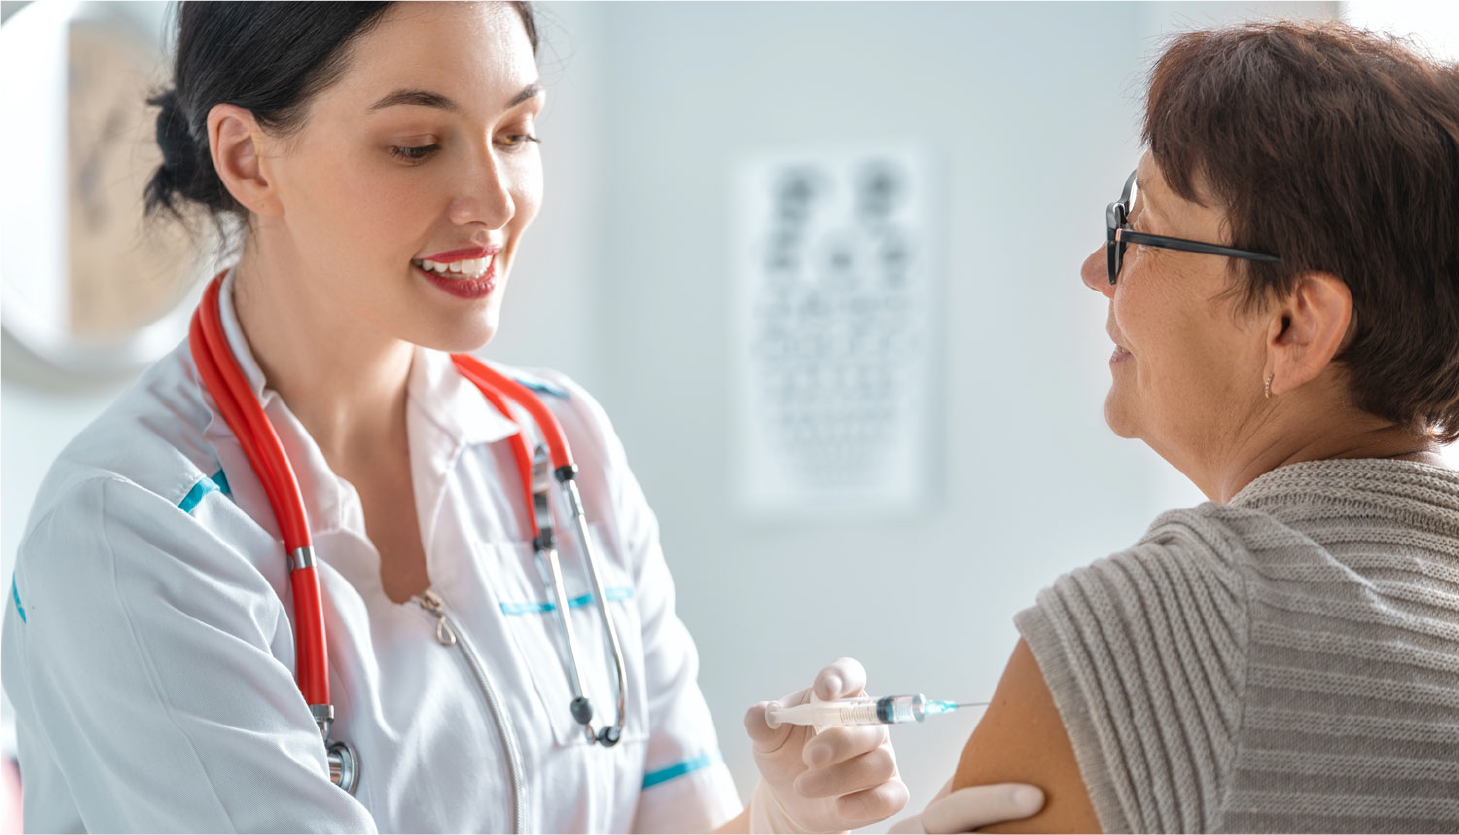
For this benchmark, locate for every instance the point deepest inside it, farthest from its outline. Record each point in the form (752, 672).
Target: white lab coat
(149, 651)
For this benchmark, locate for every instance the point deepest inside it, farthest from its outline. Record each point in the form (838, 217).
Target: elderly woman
(1282, 273)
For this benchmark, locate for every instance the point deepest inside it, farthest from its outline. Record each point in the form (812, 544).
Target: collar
(443, 399)
(1348, 482)
(238, 343)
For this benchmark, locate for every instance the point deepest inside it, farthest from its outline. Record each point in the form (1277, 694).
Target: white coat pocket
(532, 618)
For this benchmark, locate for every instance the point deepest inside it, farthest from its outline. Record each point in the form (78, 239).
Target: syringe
(866, 710)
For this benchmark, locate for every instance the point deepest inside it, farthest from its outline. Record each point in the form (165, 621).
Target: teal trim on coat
(535, 608)
(542, 387)
(15, 595)
(218, 483)
(194, 496)
(664, 775)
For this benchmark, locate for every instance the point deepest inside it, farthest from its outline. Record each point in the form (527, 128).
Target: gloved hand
(967, 809)
(832, 781)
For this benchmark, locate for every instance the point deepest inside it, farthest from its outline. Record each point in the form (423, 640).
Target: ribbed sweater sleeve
(1145, 654)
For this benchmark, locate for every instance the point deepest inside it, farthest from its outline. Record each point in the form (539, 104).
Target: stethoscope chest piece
(344, 768)
(341, 759)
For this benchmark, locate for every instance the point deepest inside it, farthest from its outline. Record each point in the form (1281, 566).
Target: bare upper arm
(1022, 739)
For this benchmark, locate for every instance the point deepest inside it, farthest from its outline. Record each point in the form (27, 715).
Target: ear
(238, 147)
(1307, 330)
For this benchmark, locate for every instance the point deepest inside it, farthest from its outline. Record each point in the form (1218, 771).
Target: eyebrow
(426, 98)
(528, 92)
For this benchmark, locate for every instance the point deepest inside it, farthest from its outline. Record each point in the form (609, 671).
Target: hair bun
(174, 178)
(173, 136)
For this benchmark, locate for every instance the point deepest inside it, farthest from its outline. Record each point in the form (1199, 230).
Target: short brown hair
(1338, 150)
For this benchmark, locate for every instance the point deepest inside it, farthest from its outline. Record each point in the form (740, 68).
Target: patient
(1286, 656)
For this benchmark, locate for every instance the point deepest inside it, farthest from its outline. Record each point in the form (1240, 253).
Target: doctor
(164, 649)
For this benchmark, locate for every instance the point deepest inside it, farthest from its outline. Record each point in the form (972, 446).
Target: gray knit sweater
(1285, 662)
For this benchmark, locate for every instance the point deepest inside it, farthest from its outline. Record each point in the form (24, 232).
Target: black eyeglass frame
(1117, 237)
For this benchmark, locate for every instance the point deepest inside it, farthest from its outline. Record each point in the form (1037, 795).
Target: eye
(517, 140)
(1136, 217)
(413, 154)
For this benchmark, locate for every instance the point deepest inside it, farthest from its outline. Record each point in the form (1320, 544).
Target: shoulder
(565, 396)
(1220, 550)
(1296, 546)
(584, 421)
(615, 501)
(133, 474)
(1203, 553)
(110, 553)
(151, 437)
(545, 382)
(70, 537)
(1179, 596)
(1219, 553)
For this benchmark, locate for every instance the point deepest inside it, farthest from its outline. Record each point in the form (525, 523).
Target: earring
(1269, 385)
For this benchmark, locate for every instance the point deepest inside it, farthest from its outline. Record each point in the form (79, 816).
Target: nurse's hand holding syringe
(844, 778)
(964, 810)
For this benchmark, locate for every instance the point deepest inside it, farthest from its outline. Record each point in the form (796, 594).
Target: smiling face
(405, 195)
(1187, 367)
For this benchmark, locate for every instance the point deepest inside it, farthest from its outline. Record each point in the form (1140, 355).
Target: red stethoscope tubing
(241, 410)
(492, 383)
(230, 390)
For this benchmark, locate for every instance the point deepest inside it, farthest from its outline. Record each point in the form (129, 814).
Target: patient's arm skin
(1022, 739)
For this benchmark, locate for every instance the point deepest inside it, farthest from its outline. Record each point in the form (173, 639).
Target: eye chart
(836, 333)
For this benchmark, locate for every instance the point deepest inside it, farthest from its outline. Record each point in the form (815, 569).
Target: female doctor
(160, 645)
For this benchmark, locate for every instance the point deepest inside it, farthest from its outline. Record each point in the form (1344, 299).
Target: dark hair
(1338, 150)
(269, 58)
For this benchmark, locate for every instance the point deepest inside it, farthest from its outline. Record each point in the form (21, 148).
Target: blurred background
(817, 260)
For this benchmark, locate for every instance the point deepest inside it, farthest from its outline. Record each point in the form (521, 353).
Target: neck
(343, 380)
(1306, 432)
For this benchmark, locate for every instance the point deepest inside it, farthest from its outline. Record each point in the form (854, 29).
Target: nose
(1095, 273)
(486, 195)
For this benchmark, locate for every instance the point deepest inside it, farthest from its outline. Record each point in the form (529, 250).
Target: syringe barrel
(848, 712)
(895, 710)
(888, 710)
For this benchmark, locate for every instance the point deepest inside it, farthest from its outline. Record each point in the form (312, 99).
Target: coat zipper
(449, 634)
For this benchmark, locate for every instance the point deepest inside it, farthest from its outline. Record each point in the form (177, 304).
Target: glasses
(1118, 236)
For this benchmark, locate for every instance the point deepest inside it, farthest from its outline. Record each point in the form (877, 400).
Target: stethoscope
(244, 415)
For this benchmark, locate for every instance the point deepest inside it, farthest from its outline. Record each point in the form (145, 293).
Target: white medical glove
(967, 809)
(839, 779)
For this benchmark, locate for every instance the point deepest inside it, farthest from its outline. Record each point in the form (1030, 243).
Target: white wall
(1032, 109)
(1023, 104)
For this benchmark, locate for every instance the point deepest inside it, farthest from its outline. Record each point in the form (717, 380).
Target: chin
(1118, 417)
(452, 336)
(464, 340)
